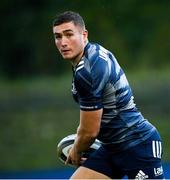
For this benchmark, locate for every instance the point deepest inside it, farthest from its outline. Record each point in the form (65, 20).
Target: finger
(82, 160)
(68, 160)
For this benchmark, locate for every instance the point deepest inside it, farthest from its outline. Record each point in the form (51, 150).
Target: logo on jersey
(74, 91)
(158, 171)
(157, 149)
(141, 175)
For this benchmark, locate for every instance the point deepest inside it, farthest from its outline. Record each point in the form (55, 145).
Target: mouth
(65, 51)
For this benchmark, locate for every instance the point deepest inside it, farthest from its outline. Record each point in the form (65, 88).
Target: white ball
(66, 143)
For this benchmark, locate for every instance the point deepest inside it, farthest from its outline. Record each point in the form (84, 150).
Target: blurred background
(36, 106)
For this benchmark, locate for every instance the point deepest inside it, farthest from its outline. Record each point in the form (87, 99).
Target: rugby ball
(66, 143)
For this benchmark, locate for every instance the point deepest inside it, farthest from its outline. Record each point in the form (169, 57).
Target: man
(130, 144)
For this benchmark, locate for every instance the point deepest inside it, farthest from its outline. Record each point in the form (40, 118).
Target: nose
(64, 41)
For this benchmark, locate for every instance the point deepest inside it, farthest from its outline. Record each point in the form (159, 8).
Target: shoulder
(94, 51)
(102, 58)
(97, 62)
(96, 56)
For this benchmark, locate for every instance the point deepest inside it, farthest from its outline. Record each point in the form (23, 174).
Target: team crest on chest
(74, 91)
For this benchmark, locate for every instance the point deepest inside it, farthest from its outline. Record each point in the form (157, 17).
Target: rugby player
(131, 145)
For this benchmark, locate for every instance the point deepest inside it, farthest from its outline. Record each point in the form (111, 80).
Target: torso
(99, 82)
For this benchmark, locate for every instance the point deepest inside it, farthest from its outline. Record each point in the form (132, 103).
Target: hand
(74, 157)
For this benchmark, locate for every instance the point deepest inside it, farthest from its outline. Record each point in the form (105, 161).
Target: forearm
(86, 134)
(84, 140)
(88, 129)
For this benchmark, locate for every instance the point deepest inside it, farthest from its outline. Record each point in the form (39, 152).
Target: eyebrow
(65, 31)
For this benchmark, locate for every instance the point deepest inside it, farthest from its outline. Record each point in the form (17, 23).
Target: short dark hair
(69, 16)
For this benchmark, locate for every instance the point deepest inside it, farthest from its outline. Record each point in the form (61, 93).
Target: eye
(57, 36)
(69, 35)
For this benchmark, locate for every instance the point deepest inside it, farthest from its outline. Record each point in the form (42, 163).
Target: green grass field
(36, 113)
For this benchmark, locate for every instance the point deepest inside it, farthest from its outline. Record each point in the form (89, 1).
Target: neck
(77, 59)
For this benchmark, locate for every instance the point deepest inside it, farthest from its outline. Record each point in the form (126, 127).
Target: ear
(85, 35)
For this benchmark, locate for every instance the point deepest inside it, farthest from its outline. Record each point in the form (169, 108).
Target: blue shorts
(142, 161)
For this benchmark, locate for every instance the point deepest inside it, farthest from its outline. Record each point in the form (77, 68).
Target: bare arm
(86, 134)
(88, 129)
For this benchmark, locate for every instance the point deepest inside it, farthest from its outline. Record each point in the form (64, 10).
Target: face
(70, 40)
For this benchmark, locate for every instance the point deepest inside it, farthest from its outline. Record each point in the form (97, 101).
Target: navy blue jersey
(99, 82)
